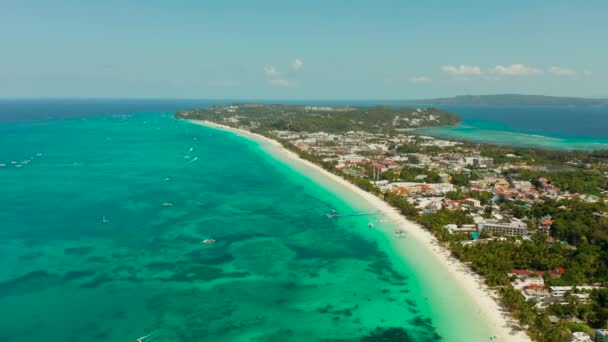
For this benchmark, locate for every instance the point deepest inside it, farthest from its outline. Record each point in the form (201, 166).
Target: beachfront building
(514, 228)
(479, 161)
(466, 228)
(580, 336)
(352, 158)
(535, 292)
(560, 291)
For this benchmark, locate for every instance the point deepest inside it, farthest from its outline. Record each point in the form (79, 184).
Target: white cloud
(421, 79)
(285, 78)
(461, 69)
(516, 70)
(562, 71)
(296, 64)
(281, 83)
(270, 71)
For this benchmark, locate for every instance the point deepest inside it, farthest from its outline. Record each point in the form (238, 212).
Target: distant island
(334, 119)
(508, 99)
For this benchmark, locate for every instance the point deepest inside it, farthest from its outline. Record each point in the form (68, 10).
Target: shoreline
(485, 299)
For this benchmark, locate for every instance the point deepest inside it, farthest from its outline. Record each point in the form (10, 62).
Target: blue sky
(314, 49)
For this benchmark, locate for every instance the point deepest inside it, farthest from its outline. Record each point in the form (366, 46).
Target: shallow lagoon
(280, 270)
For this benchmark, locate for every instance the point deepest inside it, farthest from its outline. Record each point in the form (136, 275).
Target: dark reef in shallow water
(388, 335)
(29, 282)
(73, 275)
(79, 251)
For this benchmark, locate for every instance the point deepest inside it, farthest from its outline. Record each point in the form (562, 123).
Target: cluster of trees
(575, 221)
(587, 181)
(409, 174)
(483, 197)
(538, 156)
(595, 311)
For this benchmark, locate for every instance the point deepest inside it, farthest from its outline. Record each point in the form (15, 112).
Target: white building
(479, 161)
(560, 291)
(514, 228)
(473, 202)
(580, 336)
(352, 158)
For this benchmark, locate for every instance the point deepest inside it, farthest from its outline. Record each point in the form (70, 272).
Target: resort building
(479, 161)
(580, 336)
(560, 291)
(514, 228)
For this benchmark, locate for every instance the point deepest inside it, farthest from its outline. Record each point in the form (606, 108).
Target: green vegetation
(537, 156)
(586, 181)
(336, 120)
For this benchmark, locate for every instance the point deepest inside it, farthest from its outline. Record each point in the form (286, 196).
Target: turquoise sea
(561, 128)
(279, 270)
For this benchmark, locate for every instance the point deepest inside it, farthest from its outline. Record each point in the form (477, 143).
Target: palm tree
(559, 333)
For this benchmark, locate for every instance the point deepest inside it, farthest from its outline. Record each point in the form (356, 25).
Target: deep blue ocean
(562, 128)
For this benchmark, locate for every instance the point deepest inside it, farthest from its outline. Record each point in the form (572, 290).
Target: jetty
(332, 216)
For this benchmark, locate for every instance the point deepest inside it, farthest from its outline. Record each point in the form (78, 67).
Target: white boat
(104, 220)
(208, 241)
(145, 337)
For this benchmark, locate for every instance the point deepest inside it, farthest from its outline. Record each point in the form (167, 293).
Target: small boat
(167, 179)
(145, 337)
(208, 242)
(400, 233)
(167, 204)
(370, 225)
(333, 210)
(104, 220)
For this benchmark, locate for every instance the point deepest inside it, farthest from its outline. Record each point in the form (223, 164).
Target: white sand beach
(485, 299)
